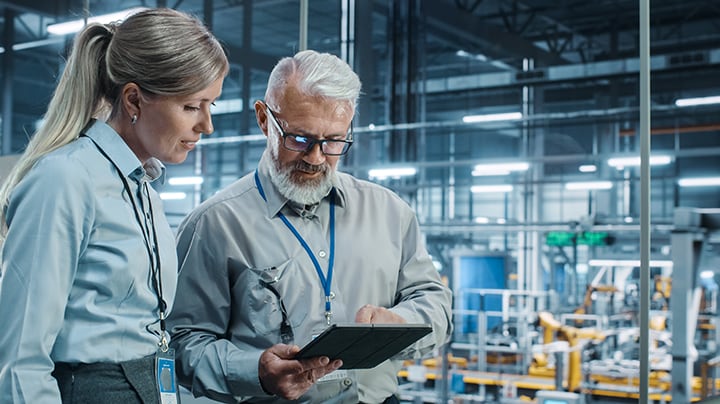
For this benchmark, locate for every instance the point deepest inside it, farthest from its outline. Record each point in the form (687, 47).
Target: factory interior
(514, 130)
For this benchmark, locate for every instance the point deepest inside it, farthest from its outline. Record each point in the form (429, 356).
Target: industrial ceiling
(570, 67)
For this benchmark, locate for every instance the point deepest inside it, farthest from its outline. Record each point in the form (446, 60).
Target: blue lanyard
(325, 281)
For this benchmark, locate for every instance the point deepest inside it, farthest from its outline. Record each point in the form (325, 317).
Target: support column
(8, 72)
(692, 227)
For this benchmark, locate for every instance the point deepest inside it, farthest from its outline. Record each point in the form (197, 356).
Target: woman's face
(167, 128)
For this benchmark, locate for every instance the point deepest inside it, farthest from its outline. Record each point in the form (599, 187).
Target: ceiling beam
(46, 8)
(462, 28)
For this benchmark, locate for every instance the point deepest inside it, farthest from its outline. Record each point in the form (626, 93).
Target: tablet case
(363, 346)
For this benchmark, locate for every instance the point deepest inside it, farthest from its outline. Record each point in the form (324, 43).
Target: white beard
(307, 192)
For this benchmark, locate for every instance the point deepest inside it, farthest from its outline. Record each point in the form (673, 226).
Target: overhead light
(691, 102)
(699, 182)
(231, 139)
(707, 274)
(70, 27)
(476, 56)
(490, 188)
(230, 106)
(588, 185)
(499, 168)
(185, 180)
(170, 196)
(622, 162)
(629, 263)
(587, 168)
(505, 116)
(397, 172)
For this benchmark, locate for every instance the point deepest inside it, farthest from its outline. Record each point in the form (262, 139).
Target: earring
(133, 120)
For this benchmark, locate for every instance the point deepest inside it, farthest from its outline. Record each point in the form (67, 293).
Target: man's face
(305, 177)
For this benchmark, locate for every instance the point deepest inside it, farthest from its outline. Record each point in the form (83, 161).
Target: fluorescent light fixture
(622, 162)
(691, 102)
(231, 139)
(707, 274)
(699, 182)
(70, 27)
(230, 106)
(172, 196)
(588, 185)
(629, 263)
(476, 56)
(490, 188)
(587, 168)
(397, 172)
(499, 168)
(505, 116)
(185, 180)
(482, 220)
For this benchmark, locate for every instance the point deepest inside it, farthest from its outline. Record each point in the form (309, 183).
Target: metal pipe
(644, 28)
(463, 228)
(302, 40)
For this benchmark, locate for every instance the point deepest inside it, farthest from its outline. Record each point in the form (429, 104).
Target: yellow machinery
(552, 330)
(587, 301)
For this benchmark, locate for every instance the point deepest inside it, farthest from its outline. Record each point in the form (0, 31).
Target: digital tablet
(361, 345)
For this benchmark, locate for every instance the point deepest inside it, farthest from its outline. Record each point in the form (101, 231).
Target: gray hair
(315, 74)
(164, 51)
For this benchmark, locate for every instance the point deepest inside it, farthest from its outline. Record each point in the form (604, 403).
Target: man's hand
(375, 314)
(289, 378)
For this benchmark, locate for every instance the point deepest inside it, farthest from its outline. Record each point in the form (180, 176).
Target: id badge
(166, 381)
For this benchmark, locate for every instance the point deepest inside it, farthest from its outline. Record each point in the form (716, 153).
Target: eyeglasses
(300, 143)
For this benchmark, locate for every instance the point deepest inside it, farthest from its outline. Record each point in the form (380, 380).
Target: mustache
(302, 165)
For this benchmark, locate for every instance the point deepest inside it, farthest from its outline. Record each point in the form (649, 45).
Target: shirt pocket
(265, 306)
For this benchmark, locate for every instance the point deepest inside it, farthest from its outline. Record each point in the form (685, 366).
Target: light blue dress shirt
(76, 282)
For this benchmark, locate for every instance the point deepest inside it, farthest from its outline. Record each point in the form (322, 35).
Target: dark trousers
(128, 382)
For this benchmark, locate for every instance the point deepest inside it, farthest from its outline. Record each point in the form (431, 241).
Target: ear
(131, 97)
(261, 116)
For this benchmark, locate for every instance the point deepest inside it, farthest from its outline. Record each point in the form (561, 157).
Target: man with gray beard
(294, 246)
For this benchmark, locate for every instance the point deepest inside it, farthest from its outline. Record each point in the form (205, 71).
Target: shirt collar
(120, 153)
(275, 201)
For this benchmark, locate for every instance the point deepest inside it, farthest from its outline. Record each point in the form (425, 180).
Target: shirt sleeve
(421, 295)
(207, 362)
(49, 218)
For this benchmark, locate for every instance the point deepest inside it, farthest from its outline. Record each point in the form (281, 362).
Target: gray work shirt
(224, 317)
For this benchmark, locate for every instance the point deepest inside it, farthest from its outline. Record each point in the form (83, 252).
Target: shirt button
(322, 254)
(347, 382)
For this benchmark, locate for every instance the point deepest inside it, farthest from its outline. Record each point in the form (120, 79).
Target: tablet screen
(362, 346)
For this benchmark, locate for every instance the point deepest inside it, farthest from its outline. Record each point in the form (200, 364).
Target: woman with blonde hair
(89, 267)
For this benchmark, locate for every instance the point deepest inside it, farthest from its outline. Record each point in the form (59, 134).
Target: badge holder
(165, 373)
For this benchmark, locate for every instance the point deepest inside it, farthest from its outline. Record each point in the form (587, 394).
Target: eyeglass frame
(348, 141)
